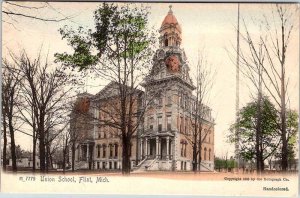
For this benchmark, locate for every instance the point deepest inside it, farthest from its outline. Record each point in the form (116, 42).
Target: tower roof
(170, 19)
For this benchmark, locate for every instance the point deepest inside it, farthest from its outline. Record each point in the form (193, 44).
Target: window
(181, 153)
(169, 121)
(186, 126)
(116, 150)
(99, 135)
(209, 151)
(159, 121)
(110, 150)
(185, 102)
(181, 99)
(104, 150)
(181, 124)
(160, 101)
(98, 151)
(166, 42)
(209, 136)
(169, 100)
(103, 165)
(104, 134)
(205, 153)
(115, 165)
(98, 165)
(110, 165)
(151, 120)
(185, 149)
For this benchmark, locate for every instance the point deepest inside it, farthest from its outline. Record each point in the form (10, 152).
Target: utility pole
(237, 149)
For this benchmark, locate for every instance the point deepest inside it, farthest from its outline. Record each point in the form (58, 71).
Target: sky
(210, 27)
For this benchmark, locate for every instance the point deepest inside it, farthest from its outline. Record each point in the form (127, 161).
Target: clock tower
(169, 98)
(170, 60)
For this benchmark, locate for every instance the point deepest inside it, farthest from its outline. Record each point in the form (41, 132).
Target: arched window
(182, 145)
(116, 150)
(185, 149)
(98, 151)
(205, 153)
(205, 135)
(166, 42)
(110, 150)
(104, 150)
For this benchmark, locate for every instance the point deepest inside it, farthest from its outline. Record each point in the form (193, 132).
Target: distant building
(26, 162)
(162, 140)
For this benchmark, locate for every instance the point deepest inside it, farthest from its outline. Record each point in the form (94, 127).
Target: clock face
(173, 63)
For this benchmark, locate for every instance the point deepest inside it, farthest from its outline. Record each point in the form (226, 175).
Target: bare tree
(276, 52)
(200, 114)
(43, 88)
(66, 144)
(267, 55)
(13, 11)
(251, 68)
(11, 79)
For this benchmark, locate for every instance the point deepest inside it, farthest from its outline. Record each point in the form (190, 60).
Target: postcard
(150, 98)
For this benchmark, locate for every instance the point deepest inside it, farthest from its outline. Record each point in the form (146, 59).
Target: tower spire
(170, 30)
(170, 11)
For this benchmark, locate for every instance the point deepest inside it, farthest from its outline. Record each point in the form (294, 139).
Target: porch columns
(141, 148)
(87, 152)
(146, 144)
(79, 153)
(168, 139)
(157, 145)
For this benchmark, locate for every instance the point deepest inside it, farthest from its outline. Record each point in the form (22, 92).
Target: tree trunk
(195, 157)
(258, 135)
(33, 153)
(284, 162)
(65, 148)
(42, 145)
(195, 161)
(125, 156)
(64, 158)
(73, 156)
(13, 145)
(200, 150)
(4, 143)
